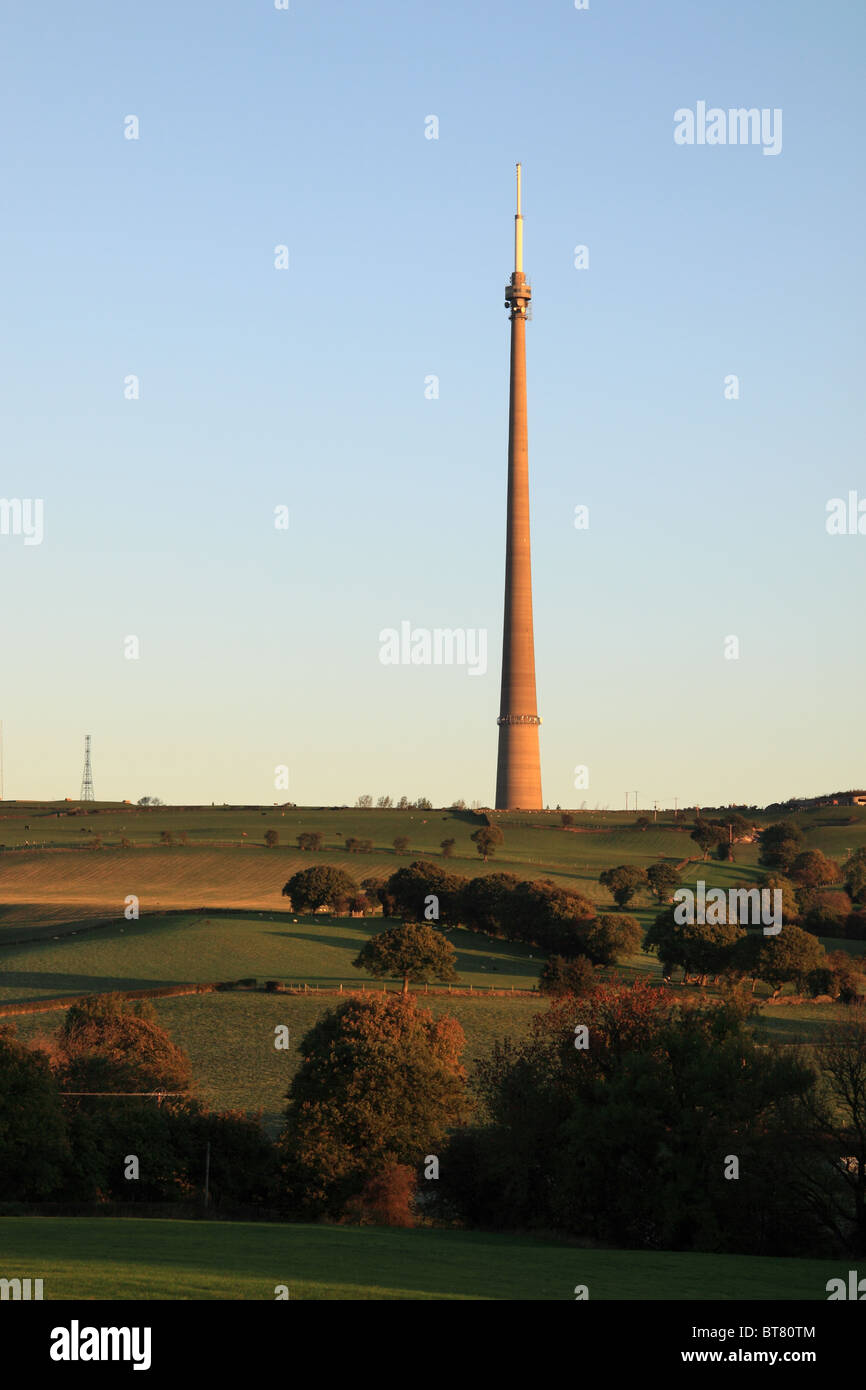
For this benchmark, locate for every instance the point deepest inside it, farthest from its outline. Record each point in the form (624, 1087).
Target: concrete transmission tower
(87, 779)
(518, 768)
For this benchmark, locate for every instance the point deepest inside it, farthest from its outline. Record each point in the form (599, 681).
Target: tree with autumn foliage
(112, 1059)
(386, 1198)
(380, 1082)
(812, 869)
(106, 1043)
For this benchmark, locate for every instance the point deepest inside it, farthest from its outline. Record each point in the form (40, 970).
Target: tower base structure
(518, 776)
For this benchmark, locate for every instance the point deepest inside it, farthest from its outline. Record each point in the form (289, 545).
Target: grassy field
(67, 822)
(105, 1258)
(230, 1039)
(230, 1036)
(212, 910)
(51, 873)
(187, 948)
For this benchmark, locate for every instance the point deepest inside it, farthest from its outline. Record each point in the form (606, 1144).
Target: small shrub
(560, 976)
(386, 1199)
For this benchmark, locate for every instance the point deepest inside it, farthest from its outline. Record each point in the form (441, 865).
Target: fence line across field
(43, 1006)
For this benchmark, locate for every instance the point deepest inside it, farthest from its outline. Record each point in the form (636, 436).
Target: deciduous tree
(33, 1145)
(780, 844)
(380, 1081)
(623, 882)
(413, 951)
(411, 888)
(812, 869)
(310, 889)
(310, 840)
(663, 879)
(486, 840)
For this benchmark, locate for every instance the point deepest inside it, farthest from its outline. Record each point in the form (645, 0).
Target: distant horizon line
(827, 799)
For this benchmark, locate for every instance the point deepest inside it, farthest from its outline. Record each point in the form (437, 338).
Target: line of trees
(310, 840)
(634, 1119)
(818, 894)
(627, 1117)
(423, 803)
(726, 950)
(102, 1110)
(486, 839)
(536, 913)
(565, 925)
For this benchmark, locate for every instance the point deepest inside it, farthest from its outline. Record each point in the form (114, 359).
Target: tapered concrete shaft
(518, 774)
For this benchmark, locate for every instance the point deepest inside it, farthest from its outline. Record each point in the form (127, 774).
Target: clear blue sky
(305, 387)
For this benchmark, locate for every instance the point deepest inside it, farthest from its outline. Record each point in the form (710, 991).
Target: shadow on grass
(60, 986)
(350, 943)
(779, 1029)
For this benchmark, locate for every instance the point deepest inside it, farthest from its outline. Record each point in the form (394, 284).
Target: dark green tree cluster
(539, 913)
(111, 1085)
(310, 889)
(662, 879)
(726, 950)
(423, 891)
(623, 882)
(356, 845)
(855, 876)
(720, 834)
(561, 976)
(780, 843)
(380, 1085)
(631, 1120)
(310, 840)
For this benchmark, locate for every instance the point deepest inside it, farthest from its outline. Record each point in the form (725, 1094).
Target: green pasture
(62, 864)
(108, 1258)
(193, 948)
(230, 1039)
(539, 838)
